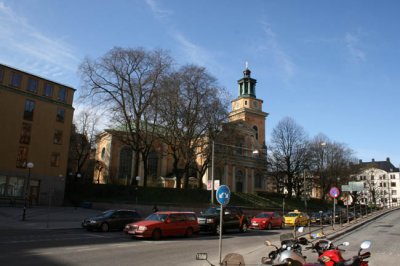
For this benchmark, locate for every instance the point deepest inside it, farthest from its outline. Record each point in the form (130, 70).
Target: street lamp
(29, 165)
(136, 188)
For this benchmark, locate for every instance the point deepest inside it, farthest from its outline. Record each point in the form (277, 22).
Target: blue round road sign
(334, 192)
(223, 195)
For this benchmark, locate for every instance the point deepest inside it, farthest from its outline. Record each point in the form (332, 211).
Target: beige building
(36, 117)
(239, 157)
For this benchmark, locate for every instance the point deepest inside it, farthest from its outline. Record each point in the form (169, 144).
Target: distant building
(35, 118)
(381, 183)
(239, 158)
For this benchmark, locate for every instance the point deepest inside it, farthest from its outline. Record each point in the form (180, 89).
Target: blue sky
(331, 65)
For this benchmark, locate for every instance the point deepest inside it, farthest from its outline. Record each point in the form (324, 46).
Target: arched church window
(153, 164)
(125, 163)
(256, 131)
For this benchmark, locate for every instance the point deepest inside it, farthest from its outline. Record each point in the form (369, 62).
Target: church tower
(248, 108)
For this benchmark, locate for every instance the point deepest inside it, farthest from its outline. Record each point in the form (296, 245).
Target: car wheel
(189, 232)
(104, 227)
(269, 227)
(156, 234)
(243, 228)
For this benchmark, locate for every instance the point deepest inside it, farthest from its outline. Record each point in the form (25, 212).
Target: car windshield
(106, 213)
(263, 215)
(293, 214)
(213, 210)
(157, 217)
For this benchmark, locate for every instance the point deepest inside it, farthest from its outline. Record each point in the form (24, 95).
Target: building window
(245, 102)
(372, 177)
(60, 115)
(32, 85)
(48, 90)
(55, 159)
(62, 94)
(125, 163)
(25, 137)
(392, 177)
(393, 184)
(258, 181)
(16, 79)
(22, 156)
(256, 131)
(57, 137)
(1, 74)
(394, 192)
(29, 109)
(153, 164)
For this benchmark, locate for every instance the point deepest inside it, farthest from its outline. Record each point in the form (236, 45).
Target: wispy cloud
(191, 51)
(352, 44)
(26, 47)
(157, 10)
(280, 57)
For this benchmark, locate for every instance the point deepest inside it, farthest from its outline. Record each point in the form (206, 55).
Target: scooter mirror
(267, 243)
(300, 230)
(366, 244)
(346, 244)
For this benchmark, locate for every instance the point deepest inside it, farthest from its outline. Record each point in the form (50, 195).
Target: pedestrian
(155, 209)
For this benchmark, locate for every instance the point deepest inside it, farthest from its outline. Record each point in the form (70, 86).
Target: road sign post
(334, 192)
(223, 195)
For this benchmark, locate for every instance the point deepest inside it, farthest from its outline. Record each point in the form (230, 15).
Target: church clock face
(237, 105)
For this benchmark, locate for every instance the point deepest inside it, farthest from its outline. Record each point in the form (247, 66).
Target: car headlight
(142, 228)
(210, 221)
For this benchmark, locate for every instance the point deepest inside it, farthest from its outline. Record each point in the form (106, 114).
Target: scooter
(330, 255)
(290, 252)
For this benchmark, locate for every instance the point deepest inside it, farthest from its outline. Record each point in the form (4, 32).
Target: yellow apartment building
(35, 117)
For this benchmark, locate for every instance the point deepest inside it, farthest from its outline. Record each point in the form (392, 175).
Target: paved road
(32, 243)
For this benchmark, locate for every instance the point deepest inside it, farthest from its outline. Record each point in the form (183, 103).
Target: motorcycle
(289, 253)
(331, 255)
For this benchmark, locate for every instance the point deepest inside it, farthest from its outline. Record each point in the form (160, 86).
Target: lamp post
(212, 173)
(29, 165)
(136, 188)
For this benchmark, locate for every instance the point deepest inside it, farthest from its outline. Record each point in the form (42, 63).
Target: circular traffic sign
(334, 192)
(223, 195)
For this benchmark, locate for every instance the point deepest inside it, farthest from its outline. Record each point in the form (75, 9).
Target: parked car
(318, 217)
(163, 224)
(296, 218)
(233, 218)
(111, 220)
(266, 220)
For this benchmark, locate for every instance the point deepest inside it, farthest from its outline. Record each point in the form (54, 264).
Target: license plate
(255, 224)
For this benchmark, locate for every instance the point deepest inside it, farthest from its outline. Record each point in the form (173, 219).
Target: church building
(239, 159)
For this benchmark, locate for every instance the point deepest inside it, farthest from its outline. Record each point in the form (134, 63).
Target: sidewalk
(337, 230)
(41, 217)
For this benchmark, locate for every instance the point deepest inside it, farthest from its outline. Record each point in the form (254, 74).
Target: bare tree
(289, 153)
(330, 161)
(124, 82)
(82, 142)
(191, 110)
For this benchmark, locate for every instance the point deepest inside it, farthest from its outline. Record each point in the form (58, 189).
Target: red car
(163, 224)
(266, 220)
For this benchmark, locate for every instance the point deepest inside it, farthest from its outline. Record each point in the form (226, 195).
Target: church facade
(239, 159)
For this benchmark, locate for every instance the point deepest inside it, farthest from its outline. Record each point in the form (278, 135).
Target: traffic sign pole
(223, 194)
